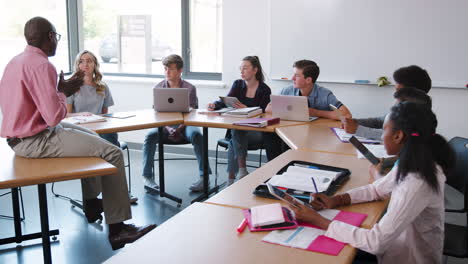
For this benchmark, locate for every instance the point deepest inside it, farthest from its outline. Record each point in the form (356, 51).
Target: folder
(289, 223)
(257, 122)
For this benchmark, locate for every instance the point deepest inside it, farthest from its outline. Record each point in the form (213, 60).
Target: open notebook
(312, 238)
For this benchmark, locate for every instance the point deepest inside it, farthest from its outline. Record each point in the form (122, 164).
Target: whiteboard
(365, 39)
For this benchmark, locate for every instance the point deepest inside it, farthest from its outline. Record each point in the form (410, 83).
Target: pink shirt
(29, 99)
(412, 229)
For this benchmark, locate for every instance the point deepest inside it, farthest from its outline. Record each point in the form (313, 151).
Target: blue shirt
(320, 98)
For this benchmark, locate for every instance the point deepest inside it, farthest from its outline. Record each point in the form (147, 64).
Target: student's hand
(350, 125)
(173, 134)
(268, 108)
(313, 112)
(211, 107)
(239, 105)
(374, 172)
(322, 201)
(70, 86)
(306, 214)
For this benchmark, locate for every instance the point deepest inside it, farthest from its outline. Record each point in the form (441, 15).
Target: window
(132, 37)
(13, 17)
(205, 35)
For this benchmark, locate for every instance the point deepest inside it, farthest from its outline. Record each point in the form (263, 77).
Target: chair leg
(22, 203)
(260, 159)
(129, 172)
(216, 160)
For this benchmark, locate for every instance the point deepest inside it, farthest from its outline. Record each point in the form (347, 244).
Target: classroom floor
(80, 242)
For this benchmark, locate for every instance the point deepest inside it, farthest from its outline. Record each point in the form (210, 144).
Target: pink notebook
(322, 243)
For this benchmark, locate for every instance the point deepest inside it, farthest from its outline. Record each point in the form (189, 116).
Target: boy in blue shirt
(319, 100)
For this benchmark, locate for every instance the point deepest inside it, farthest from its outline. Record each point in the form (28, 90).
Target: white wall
(246, 32)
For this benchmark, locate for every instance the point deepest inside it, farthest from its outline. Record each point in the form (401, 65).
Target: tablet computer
(229, 101)
(283, 196)
(364, 151)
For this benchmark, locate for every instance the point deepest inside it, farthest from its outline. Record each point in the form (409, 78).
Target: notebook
(84, 119)
(312, 238)
(268, 214)
(244, 112)
(257, 122)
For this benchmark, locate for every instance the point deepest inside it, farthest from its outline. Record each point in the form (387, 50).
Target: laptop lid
(289, 107)
(171, 100)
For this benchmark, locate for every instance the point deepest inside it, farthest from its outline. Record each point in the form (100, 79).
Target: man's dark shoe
(128, 234)
(93, 210)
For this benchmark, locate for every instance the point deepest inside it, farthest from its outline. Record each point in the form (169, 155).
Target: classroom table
(315, 136)
(239, 195)
(205, 233)
(18, 171)
(142, 119)
(215, 120)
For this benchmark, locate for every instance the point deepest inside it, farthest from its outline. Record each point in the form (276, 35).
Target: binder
(262, 190)
(290, 221)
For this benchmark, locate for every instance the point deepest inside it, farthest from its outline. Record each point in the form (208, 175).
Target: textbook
(84, 119)
(268, 214)
(257, 122)
(244, 112)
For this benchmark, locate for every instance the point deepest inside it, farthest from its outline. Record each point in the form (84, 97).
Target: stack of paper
(244, 112)
(299, 178)
(84, 119)
(269, 214)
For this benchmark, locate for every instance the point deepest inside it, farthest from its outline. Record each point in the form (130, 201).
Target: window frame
(76, 43)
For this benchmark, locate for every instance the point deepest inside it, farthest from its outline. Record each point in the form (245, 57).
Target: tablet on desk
(285, 196)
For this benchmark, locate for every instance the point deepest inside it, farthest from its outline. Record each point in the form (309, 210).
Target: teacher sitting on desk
(251, 91)
(33, 104)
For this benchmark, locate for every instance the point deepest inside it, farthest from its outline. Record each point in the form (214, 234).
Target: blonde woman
(93, 97)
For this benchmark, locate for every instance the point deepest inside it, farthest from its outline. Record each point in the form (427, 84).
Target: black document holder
(262, 190)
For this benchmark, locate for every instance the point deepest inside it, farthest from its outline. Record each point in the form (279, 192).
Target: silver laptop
(290, 107)
(171, 100)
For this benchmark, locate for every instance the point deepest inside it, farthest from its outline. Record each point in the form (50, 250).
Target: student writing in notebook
(412, 229)
(251, 90)
(319, 99)
(410, 76)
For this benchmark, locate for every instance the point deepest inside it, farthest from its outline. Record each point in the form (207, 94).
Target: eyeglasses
(57, 35)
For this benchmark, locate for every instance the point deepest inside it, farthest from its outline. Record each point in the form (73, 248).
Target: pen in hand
(311, 198)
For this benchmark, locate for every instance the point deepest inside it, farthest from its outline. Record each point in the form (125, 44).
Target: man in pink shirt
(33, 104)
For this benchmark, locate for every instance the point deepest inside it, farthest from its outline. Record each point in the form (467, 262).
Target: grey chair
(224, 142)
(456, 237)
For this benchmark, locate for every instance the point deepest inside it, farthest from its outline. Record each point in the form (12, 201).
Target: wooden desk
(143, 119)
(218, 121)
(315, 136)
(18, 171)
(147, 118)
(204, 233)
(240, 195)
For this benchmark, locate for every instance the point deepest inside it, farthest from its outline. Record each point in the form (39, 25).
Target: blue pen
(315, 186)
